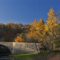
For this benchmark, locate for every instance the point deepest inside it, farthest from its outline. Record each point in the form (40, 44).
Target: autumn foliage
(19, 39)
(38, 31)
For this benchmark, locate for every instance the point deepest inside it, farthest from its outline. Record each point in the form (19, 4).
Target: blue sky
(25, 11)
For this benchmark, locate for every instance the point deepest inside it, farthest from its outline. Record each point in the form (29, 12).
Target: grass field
(40, 56)
(27, 56)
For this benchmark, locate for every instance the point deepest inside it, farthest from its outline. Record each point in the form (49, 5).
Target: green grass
(31, 56)
(24, 56)
(42, 56)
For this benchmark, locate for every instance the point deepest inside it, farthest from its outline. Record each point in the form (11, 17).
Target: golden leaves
(46, 28)
(19, 39)
(40, 30)
(52, 19)
(51, 12)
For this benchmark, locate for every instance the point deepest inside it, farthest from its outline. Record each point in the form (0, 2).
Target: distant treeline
(8, 32)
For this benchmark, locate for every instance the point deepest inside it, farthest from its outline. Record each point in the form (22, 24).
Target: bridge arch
(4, 50)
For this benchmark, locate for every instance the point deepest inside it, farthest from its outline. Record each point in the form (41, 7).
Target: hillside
(8, 32)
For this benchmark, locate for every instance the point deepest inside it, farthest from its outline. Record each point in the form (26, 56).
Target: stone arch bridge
(21, 48)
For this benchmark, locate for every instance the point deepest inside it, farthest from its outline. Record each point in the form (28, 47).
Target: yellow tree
(37, 31)
(32, 33)
(33, 25)
(40, 25)
(53, 26)
(52, 21)
(41, 31)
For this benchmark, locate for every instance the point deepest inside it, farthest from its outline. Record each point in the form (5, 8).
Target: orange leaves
(40, 30)
(38, 25)
(36, 30)
(19, 39)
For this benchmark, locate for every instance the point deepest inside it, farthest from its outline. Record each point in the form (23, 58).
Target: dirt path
(55, 57)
